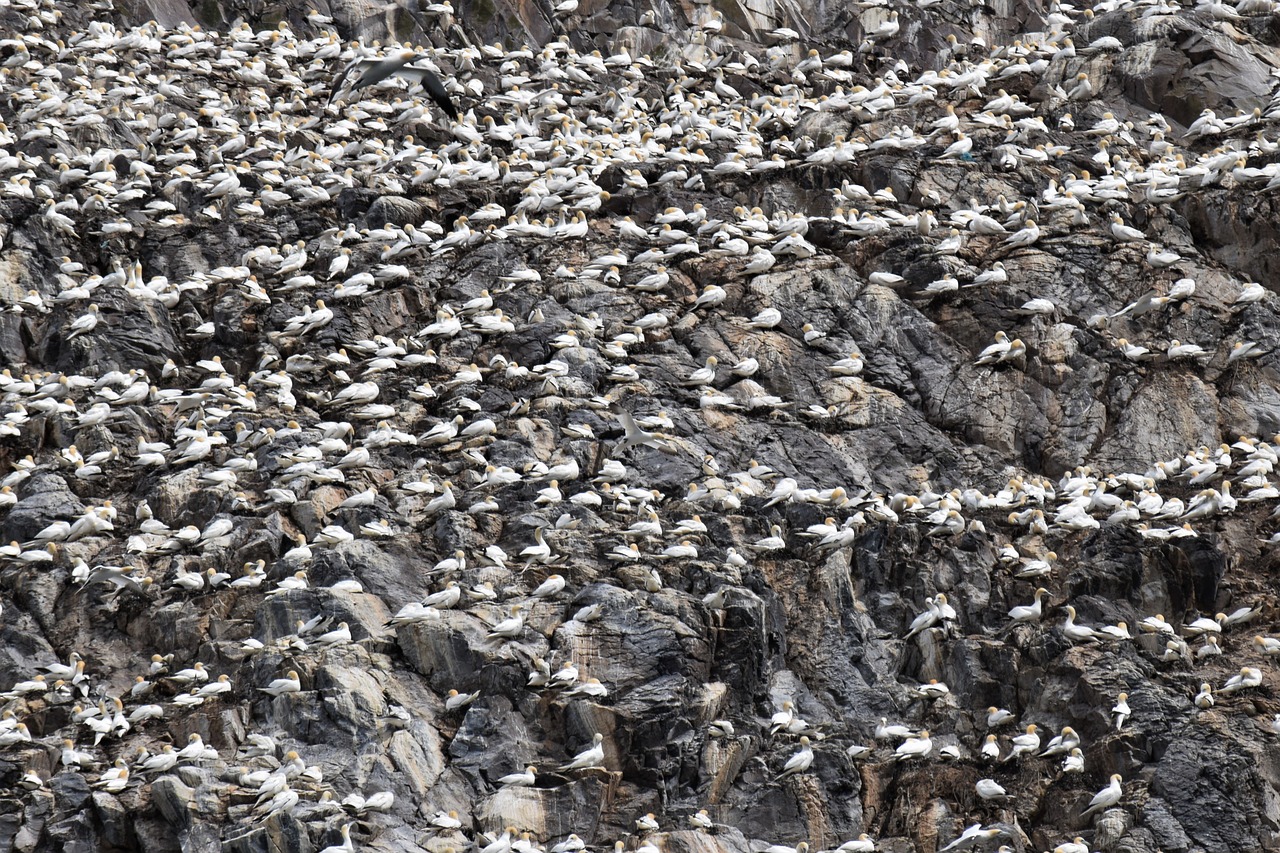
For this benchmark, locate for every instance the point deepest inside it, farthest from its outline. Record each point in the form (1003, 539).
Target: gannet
(289, 684)
(784, 720)
(998, 717)
(996, 352)
(1159, 258)
(85, 323)
(1210, 647)
(1267, 645)
(959, 149)
(1250, 293)
(549, 588)
(1240, 615)
(1178, 350)
(1027, 743)
(1121, 710)
(1106, 798)
(704, 375)
(996, 275)
(1247, 677)
(917, 746)
(346, 845)
(799, 762)
(784, 490)
(1203, 625)
(1062, 743)
(885, 731)
(1036, 568)
(1155, 624)
(711, 296)
(446, 820)
(1074, 632)
(18, 734)
(933, 690)
(862, 844)
(511, 627)
(339, 636)
(1031, 612)
(162, 762)
(633, 435)
(593, 756)
(1025, 236)
(647, 823)
(990, 789)
(766, 319)
(970, 838)
(520, 780)
(377, 70)
(455, 700)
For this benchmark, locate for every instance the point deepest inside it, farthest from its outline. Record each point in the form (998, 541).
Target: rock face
(724, 377)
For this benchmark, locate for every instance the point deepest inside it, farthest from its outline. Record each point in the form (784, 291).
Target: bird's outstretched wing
(433, 85)
(376, 70)
(337, 87)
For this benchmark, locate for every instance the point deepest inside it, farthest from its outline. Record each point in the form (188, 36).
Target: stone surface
(676, 644)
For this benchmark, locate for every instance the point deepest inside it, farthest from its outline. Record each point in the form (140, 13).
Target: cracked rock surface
(750, 388)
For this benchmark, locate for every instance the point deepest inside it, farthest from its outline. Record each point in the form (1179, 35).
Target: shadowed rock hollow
(753, 386)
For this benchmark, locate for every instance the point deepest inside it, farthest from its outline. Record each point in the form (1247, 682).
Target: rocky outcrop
(349, 389)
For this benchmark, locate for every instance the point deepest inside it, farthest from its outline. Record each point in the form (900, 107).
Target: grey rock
(821, 628)
(1165, 829)
(46, 499)
(174, 800)
(114, 819)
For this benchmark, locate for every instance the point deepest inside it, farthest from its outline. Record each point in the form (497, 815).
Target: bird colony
(748, 446)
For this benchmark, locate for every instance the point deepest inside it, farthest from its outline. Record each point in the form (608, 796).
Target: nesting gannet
(345, 846)
(1025, 236)
(917, 746)
(1124, 233)
(933, 690)
(593, 756)
(991, 790)
(549, 588)
(455, 700)
(1250, 293)
(1027, 743)
(1267, 645)
(767, 318)
(998, 717)
(1107, 797)
(1247, 677)
(1074, 632)
(1075, 845)
(862, 844)
(996, 352)
(799, 762)
(1030, 612)
(289, 684)
(971, 837)
(511, 627)
(1178, 350)
(1062, 743)
(647, 823)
